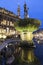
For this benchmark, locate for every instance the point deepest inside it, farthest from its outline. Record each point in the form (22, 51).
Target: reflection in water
(22, 53)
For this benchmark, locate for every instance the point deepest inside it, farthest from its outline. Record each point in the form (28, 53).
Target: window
(3, 22)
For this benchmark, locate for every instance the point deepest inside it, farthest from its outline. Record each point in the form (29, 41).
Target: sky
(35, 8)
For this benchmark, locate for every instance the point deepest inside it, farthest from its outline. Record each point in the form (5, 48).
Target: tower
(18, 11)
(25, 11)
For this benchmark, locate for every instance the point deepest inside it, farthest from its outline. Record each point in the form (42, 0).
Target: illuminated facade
(7, 20)
(38, 35)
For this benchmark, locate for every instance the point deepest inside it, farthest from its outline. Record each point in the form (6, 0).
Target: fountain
(26, 27)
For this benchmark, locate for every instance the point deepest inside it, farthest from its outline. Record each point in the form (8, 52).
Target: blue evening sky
(35, 7)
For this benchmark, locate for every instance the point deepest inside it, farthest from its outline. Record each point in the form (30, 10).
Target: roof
(7, 12)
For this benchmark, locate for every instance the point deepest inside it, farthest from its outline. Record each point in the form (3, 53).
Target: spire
(25, 11)
(18, 11)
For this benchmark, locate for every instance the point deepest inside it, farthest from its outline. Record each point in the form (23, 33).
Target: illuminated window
(11, 24)
(0, 30)
(7, 29)
(12, 32)
(3, 30)
(7, 22)
(3, 22)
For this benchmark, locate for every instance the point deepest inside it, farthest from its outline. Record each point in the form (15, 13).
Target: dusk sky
(35, 8)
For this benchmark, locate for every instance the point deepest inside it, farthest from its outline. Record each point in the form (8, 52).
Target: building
(7, 20)
(38, 35)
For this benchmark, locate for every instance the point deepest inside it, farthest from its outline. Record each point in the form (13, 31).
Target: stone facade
(7, 20)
